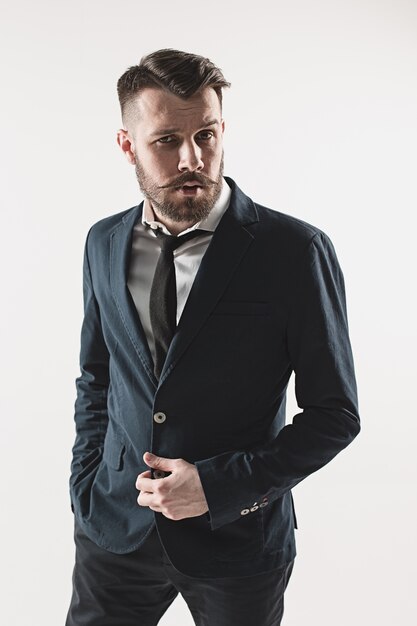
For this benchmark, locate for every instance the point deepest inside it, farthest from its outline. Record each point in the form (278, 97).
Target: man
(198, 305)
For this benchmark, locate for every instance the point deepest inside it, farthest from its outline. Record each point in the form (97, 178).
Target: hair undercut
(180, 73)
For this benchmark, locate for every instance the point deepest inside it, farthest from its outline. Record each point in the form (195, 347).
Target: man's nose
(190, 157)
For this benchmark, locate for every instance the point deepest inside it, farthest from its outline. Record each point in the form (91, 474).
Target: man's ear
(223, 125)
(126, 145)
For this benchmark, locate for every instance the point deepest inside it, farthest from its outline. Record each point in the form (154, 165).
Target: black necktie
(163, 296)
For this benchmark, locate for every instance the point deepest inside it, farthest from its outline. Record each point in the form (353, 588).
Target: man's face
(173, 142)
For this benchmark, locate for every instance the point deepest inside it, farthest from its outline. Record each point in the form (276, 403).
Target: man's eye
(207, 132)
(167, 140)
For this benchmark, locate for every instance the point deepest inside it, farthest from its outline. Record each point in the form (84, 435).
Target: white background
(321, 124)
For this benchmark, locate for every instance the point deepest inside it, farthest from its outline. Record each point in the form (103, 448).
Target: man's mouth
(189, 189)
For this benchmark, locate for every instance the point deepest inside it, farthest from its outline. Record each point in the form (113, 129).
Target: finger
(146, 499)
(160, 462)
(145, 474)
(145, 484)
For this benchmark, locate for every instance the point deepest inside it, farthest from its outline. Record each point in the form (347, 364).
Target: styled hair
(180, 73)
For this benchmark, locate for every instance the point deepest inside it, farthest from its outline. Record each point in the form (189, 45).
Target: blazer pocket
(241, 539)
(234, 307)
(87, 466)
(113, 454)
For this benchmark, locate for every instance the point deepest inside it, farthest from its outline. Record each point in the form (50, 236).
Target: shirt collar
(209, 223)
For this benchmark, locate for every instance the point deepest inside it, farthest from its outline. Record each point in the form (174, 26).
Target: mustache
(191, 178)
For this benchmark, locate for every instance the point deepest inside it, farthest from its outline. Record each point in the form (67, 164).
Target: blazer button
(254, 508)
(159, 417)
(244, 511)
(263, 504)
(158, 474)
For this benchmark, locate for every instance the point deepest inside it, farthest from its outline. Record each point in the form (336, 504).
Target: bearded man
(199, 303)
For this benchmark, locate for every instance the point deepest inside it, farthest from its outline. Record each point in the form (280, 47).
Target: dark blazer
(268, 299)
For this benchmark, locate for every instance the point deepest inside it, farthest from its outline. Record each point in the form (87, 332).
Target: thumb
(158, 462)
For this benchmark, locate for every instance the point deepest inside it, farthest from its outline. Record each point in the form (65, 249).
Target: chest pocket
(234, 307)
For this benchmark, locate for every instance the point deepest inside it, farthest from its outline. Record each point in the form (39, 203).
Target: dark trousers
(136, 589)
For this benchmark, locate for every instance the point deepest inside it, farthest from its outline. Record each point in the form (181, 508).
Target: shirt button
(158, 474)
(159, 417)
(244, 511)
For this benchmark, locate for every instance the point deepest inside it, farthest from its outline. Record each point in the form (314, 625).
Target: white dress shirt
(187, 258)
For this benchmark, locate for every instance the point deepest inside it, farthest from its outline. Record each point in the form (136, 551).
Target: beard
(171, 205)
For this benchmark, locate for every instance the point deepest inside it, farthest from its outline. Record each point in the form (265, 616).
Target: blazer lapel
(228, 245)
(120, 252)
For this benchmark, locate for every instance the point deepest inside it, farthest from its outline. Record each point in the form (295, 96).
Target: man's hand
(176, 496)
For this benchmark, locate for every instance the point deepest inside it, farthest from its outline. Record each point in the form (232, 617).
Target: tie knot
(168, 243)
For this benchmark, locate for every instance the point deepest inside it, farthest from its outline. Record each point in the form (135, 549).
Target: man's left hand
(176, 496)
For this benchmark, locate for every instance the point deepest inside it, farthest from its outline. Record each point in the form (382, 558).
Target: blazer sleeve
(320, 355)
(90, 415)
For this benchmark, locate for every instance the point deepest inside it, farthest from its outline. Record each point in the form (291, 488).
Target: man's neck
(173, 227)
